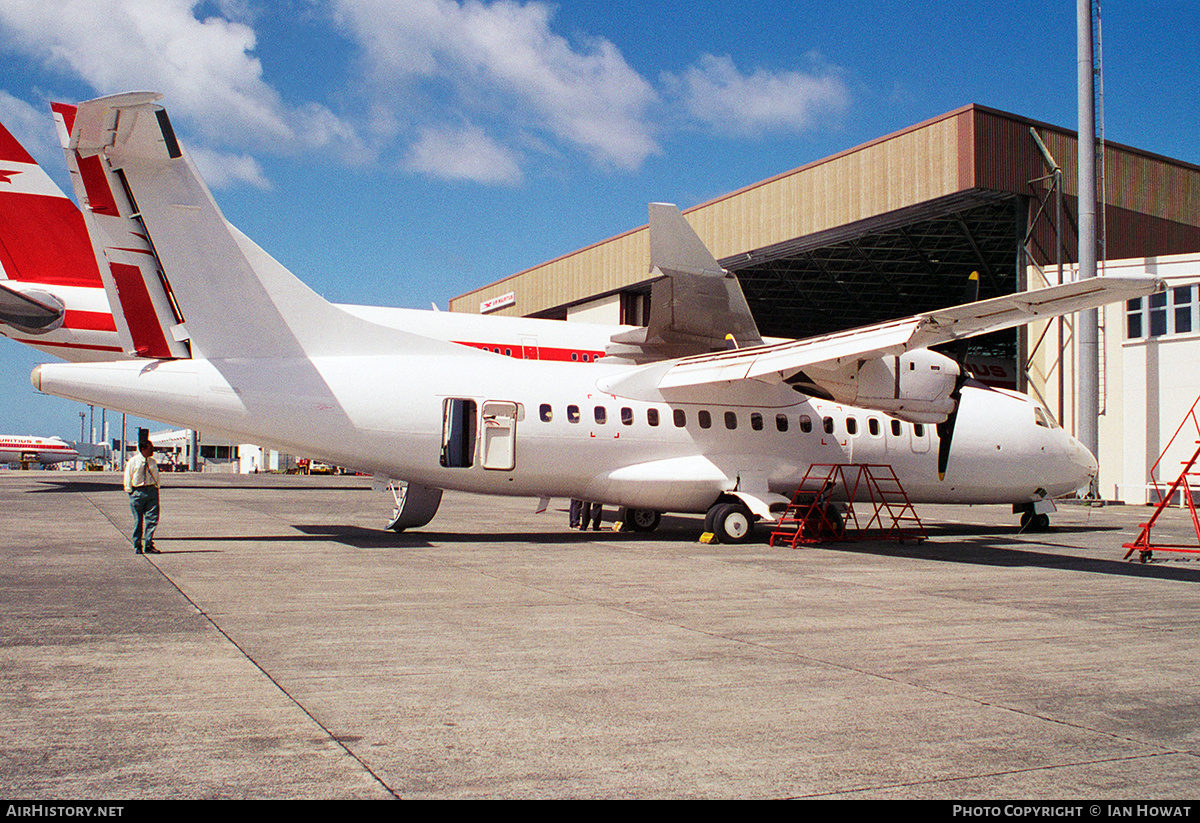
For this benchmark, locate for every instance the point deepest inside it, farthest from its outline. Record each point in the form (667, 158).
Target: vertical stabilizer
(194, 275)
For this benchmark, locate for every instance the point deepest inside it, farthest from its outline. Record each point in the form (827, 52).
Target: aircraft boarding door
(529, 348)
(499, 435)
(458, 433)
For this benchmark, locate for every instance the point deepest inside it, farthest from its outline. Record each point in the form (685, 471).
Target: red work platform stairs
(813, 516)
(1143, 544)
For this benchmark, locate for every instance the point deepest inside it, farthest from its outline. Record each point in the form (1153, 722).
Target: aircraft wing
(829, 353)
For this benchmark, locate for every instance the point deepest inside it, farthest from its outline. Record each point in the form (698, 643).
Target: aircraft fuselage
(493, 424)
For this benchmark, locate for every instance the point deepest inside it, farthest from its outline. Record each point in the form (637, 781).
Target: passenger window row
(704, 419)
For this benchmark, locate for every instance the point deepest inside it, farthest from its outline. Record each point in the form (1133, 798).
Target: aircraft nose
(1082, 463)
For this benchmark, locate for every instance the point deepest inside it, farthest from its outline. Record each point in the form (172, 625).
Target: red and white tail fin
(131, 273)
(51, 293)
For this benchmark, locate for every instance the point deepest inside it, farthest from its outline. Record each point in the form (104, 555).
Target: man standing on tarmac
(141, 484)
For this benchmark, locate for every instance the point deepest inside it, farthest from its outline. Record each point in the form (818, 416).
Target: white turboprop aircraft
(667, 421)
(44, 450)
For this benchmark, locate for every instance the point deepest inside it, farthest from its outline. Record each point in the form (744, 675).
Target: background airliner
(44, 450)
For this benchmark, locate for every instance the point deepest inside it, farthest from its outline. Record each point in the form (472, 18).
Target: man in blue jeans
(141, 484)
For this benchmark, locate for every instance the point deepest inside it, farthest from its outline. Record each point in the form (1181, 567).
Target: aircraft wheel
(708, 518)
(1041, 522)
(641, 520)
(732, 523)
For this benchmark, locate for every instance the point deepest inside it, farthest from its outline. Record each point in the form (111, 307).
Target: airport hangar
(894, 227)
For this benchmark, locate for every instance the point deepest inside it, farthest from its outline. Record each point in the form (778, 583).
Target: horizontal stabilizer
(35, 313)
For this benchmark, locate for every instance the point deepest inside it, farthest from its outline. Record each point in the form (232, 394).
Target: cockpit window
(1043, 419)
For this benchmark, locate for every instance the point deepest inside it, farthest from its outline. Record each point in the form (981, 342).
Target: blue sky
(401, 152)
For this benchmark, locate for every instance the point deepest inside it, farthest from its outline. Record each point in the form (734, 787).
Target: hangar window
(626, 416)
(1170, 312)
(572, 414)
(730, 420)
(705, 419)
(756, 421)
(781, 422)
(545, 412)
(805, 423)
(680, 417)
(652, 416)
(828, 424)
(601, 415)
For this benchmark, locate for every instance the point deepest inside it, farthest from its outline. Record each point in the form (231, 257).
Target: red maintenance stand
(811, 517)
(1143, 544)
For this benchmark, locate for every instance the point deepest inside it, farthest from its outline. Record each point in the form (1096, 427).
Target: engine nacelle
(915, 386)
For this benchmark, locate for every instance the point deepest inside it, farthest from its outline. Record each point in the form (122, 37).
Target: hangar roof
(892, 227)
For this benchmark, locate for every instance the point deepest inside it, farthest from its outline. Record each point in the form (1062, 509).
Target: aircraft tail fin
(696, 307)
(178, 267)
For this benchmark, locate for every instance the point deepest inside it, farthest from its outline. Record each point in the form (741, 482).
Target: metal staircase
(815, 513)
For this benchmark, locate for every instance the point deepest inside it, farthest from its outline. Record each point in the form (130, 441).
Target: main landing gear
(730, 522)
(640, 520)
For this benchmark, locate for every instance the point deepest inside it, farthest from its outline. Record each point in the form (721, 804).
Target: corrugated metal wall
(1154, 202)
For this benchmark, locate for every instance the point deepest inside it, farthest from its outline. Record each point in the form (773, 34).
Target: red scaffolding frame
(1143, 544)
(813, 515)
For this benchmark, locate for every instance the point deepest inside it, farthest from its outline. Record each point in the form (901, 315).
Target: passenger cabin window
(873, 426)
(652, 416)
(896, 428)
(781, 422)
(626, 416)
(828, 424)
(680, 418)
(730, 420)
(545, 412)
(572, 414)
(805, 423)
(756, 421)
(851, 426)
(601, 415)
(705, 419)
(918, 429)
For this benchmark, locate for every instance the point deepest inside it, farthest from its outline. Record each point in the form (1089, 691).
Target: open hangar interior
(895, 226)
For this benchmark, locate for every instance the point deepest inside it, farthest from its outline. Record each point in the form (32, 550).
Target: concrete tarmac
(283, 646)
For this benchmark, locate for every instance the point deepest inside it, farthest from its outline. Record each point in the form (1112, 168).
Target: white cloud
(501, 63)
(221, 170)
(718, 95)
(33, 128)
(462, 154)
(205, 67)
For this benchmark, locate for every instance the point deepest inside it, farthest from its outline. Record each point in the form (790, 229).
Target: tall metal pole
(1088, 379)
